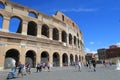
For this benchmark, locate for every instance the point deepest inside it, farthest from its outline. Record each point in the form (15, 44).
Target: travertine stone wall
(23, 44)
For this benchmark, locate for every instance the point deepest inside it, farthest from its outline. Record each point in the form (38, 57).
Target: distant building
(96, 57)
(112, 52)
(101, 54)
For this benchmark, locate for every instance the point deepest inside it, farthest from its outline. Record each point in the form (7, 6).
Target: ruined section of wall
(42, 38)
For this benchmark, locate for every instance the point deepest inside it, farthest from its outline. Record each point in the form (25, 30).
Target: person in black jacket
(94, 64)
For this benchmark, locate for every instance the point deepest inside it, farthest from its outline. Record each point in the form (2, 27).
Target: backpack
(21, 66)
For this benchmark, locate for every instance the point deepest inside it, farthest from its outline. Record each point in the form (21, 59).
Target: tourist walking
(28, 68)
(20, 69)
(48, 66)
(94, 64)
(79, 65)
(89, 65)
(38, 67)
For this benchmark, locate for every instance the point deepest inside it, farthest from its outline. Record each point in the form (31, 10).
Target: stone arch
(45, 30)
(71, 59)
(30, 58)
(76, 58)
(44, 57)
(11, 58)
(1, 21)
(32, 14)
(65, 59)
(32, 28)
(55, 34)
(70, 39)
(2, 6)
(74, 40)
(15, 25)
(56, 59)
(64, 36)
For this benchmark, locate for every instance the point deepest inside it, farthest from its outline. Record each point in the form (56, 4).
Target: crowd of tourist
(23, 70)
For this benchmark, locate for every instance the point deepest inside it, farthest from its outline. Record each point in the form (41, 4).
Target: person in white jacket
(79, 65)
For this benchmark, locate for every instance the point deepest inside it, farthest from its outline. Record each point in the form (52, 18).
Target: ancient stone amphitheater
(29, 36)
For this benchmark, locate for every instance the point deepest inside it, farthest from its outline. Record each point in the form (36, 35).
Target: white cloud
(92, 43)
(118, 44)
(77, 10)
(87, 50)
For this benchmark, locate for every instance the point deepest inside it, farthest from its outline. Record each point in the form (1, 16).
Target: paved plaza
(69, 73)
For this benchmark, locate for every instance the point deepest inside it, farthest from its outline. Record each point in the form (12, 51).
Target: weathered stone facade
(39, 38)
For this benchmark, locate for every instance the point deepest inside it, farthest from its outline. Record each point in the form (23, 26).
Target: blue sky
(99, 20)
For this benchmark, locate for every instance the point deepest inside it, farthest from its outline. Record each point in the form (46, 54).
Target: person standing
(94, 64)
(28, 68)
(20, 69)
(38, 67)
(79, 65)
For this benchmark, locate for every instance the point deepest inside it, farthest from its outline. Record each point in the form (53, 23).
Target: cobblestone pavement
(69, 73)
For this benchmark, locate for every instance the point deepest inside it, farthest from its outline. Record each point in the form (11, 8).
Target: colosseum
(27, 35)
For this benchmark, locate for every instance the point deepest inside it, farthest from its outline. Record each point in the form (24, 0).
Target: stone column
(68, 59)
(22, 53)
(73, 41)
(38, 57)
(74, 57)
(24, 27)
(2, 56)
(39, 30)
(51, 59)
(5, 26)
(60, 38)
(61, 64)
(67, 39)
(22, 58)
(51, 34)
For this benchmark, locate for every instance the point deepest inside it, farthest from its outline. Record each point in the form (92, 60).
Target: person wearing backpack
(20, 69)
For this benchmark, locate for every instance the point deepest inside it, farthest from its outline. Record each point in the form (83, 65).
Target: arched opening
(76, 58)
(74, 40)
(65, 59)
(2, 5)
(30, 58)
(45, 30)
(71, 60)
(55, 34)
(70, 39)
(44, 57)
(56, 59)
(32, 14)
(11, 58)
(64, 36)
(1, 21)
(32, 29)
(15, 25)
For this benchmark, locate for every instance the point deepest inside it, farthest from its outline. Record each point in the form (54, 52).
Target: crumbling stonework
(38, 38)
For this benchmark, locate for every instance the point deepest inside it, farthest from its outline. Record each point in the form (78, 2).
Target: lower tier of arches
(12, 56)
